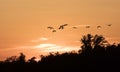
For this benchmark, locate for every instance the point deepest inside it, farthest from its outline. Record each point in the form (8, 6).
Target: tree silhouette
(21, 58)
(11, 59)
(32, 60)
(89, 42)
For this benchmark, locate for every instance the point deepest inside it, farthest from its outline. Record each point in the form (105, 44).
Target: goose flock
(61, 27)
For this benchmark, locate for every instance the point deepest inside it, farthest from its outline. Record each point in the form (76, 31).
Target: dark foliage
(97, 55)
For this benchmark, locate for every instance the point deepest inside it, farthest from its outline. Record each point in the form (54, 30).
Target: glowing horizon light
(55, 48)
(44, 45)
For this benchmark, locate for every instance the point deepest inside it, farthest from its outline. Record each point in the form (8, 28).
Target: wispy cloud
(83, 25)
(40, 39)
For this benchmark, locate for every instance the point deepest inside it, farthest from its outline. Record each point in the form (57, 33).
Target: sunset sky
(23, 24)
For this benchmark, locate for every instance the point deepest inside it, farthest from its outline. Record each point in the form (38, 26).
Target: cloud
(45, 45)
(40, 39)
(43, 38)
(56, 48)
(81, 25)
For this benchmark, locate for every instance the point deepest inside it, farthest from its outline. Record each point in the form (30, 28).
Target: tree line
(96, 55)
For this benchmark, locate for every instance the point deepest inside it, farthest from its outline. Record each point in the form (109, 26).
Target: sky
(23, 24)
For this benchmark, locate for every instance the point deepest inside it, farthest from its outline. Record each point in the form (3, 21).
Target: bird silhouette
(99, 27)
(62, 26)
(109, 24)
(75, 27)
(50, 27)
(53, 30)
(87, 26)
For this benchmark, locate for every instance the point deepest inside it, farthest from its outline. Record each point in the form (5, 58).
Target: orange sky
(23, 24)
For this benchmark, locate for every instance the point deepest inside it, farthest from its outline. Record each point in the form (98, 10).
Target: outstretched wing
(61, 27)
(65, 24)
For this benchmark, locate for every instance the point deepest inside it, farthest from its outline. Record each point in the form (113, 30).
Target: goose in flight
(53, 30)
(74, 27)
(99, 27)
(62, 26)
(109, 24)
(87, 26)
(50, 27)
